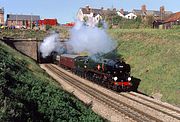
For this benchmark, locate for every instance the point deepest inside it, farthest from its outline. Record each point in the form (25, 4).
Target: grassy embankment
(27, 93)
(23, 34)
(36, 34)
(154, 56)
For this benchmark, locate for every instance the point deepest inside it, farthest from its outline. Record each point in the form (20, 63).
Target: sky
(66, 10)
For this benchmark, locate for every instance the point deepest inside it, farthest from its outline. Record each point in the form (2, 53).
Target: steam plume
(91, 40)
(88, 39)
(50, 44)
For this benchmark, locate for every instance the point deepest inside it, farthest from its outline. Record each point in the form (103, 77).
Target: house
(22, 21)
(161, 14)
(89, 15)
(1, 16)
(120, 14)
(130, 16)
(93, 16)
(126, 14)
(174, 19)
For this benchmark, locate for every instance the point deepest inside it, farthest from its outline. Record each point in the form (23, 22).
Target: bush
(32, 96)
(48, 27)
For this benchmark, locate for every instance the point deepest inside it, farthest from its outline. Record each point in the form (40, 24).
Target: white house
(120, 14)
(130, 16)
(90, 15)
(126, 14)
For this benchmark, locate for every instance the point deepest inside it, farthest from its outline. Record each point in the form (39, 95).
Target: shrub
(32, 96)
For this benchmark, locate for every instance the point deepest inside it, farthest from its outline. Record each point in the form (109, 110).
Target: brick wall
(28, 48)
(1, 18)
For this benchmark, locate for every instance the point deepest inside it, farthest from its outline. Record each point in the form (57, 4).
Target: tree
(48, 27)
(116, 19)
(85, 18)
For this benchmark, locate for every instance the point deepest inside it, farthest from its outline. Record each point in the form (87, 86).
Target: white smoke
(89, 39)
(50, 44)
(83, 38)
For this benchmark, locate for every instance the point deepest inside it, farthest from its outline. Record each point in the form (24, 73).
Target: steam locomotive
(113, 74)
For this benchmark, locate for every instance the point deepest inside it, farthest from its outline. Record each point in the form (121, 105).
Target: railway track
(163, 106)
(120, 106)
(174, 113)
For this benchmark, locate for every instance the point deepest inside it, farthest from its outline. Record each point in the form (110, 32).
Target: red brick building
(2, 16)
(174, 19)
(156, 14)
(19, 21)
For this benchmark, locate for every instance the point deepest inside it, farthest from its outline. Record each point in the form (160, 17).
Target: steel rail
(114, 103)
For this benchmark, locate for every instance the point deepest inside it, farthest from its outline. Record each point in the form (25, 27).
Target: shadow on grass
(136, 83)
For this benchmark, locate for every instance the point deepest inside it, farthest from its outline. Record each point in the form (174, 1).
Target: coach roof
(70, 56)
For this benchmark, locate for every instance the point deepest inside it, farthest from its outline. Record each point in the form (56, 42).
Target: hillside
(23, 34)
(37, 34)
(27, 93)
(154, 56)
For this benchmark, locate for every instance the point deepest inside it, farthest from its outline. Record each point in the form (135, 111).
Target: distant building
(92, 16)
(130, 15)
(126, 14)
(1, 16)
(89, 15)
(161, 14)
(174, 19)
(51, 22)
(19, 21)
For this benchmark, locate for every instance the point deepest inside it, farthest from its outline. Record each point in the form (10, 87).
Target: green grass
(154, 56)
(35, 34)
(23, 34)
(27, 93)
(64, 31)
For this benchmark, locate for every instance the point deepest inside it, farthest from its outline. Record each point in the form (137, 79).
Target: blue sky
(65, 10)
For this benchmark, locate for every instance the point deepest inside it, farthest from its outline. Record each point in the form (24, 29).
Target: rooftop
(96, 11)
(173, 17)
(150, 12)
(22, 17)
(1, 10)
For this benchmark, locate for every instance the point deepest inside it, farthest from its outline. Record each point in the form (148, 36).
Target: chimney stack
(87, 8)
(114, 9)
(143, 8)
(162, 10)
(122, 11)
